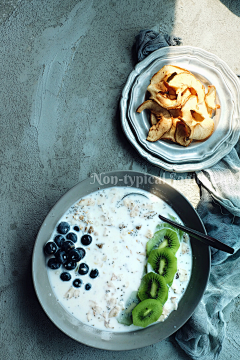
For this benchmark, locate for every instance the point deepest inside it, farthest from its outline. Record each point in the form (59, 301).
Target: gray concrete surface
(63, 67)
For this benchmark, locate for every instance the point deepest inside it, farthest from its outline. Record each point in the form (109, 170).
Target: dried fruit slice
(175, 113)
(188, 80)
(197, 116)
(170, 135)
(210, 100)
(155, 108)
(158, 113)
(202, 130)
(164, 101)
(190, 105)
(153, 119)
(182, 133)
(165, 71)
(157, 131)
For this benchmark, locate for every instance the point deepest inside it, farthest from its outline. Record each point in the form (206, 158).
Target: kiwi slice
(166, 225)
(164, 263)
(164, 238)
(147, 312)
(153, 286)
(125, 316)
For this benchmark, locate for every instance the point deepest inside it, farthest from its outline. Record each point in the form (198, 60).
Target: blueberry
(61, 256)
(88, 287)
(94, 273)
(53, 264)
(63, 228)
(59, 240)
(76, 228)
(86, 239)
(70, 265)
(77, 283)
(65, 276)
(83, 269)
(76, 254)
(50, 248)
(72, 236)
(67, 246)
(82, 252)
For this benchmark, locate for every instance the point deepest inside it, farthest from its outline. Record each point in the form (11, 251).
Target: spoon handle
(208, 240)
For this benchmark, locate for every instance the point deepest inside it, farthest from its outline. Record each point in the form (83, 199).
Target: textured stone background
(63, 67)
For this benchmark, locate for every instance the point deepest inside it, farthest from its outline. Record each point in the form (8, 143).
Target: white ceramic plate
(198, 155)
(90, 336)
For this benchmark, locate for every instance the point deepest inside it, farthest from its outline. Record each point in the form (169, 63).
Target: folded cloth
(223, 181)
(219, 208)
(203, 334)
(148, 41)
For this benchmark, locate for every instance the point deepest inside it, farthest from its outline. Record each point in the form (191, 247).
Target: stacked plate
(210, 70)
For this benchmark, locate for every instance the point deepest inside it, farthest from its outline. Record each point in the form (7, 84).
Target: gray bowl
(124, 340)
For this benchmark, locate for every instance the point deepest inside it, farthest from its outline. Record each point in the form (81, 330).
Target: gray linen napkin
(219, 208)
(223, 181)
(148, 41)
(202, 336)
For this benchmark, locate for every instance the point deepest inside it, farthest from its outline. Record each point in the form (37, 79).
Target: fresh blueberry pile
(67, 255)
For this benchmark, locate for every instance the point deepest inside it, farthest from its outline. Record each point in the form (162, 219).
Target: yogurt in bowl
(60, 300)
(112, 227)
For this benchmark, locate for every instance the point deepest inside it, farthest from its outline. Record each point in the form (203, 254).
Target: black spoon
(208, 240)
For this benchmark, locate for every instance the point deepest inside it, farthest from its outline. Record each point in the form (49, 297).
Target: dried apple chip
(190, 82)
(197, 118)
(154, 107)
(170, 135)
(182, 133)
(153, 119)
(188, 107)
(210, 100)
(201, 130)
(165, 71)
(168, 103)
(175, 113)
(157, 131)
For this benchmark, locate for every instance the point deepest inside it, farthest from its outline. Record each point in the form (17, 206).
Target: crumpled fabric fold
(148, 41)
(205, 342)
(223, 181)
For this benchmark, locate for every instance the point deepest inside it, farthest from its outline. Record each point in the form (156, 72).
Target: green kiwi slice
(125, 316)
(147, 312)
(166, 225)
(164, 238)
(164, 263)
(153, 286)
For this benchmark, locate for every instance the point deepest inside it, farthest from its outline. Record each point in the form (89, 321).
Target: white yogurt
(120, 229)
